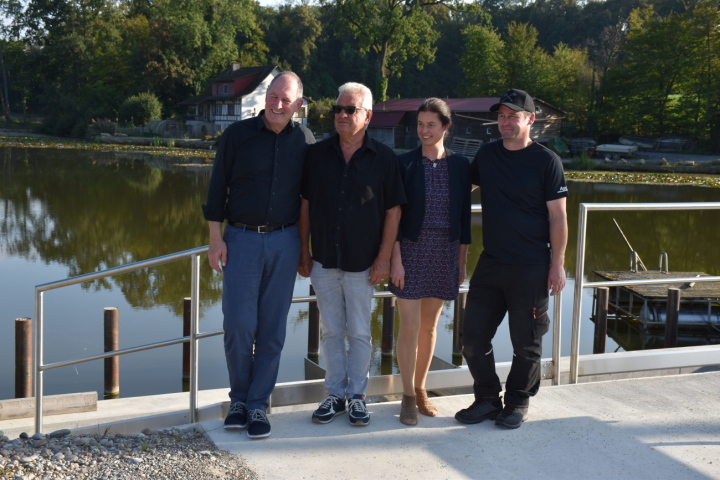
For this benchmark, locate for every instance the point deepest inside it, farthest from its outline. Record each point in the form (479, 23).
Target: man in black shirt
(255, 186)
(352, 194)
(523, 192)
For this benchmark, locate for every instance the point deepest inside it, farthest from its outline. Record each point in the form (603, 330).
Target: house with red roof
(394, 122)
(236, 94)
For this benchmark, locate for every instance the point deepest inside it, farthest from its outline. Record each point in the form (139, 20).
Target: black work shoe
(512, 417)
(237, 417)
(359, 415)
(480, 410)
(258, 426)
(328, 409)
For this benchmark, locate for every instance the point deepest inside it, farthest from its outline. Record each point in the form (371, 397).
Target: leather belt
(260, 228)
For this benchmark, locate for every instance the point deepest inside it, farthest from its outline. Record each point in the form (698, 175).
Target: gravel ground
(168, 454)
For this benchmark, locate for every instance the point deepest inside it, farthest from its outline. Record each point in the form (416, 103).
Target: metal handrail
(194, 336)
(580, 283)
(38, 339)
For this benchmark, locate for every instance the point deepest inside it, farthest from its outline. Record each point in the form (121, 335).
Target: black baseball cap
(517, 100)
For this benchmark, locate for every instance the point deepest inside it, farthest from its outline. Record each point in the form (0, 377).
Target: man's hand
(217, 254)
(556, 280)
(379, 271)
(305, 264)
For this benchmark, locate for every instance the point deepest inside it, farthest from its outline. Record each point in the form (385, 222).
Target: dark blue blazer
(413, 212)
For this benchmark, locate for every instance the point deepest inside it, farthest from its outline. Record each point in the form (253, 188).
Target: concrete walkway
(652, 428)
(648, 428)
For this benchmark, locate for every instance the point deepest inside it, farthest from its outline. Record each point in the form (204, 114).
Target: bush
(582, 162)
(138, 110)
(320, 116)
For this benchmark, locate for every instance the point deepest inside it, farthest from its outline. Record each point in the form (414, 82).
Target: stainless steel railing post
(38, 345)
(194, 320)
(577, 299)
(557, 329)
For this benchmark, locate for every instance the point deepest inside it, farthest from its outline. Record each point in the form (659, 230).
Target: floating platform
(647, 304)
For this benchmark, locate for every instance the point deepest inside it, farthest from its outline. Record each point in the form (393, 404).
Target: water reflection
(71, 212)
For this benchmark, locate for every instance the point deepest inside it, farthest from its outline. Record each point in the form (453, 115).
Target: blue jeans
(344, 300)
(258, 285)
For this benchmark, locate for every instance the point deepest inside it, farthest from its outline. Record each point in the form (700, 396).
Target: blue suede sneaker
(328, 409)
(359, 415)
(237, 417)
(258, 426)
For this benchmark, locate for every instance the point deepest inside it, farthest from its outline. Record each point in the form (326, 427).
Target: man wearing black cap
(523, 196)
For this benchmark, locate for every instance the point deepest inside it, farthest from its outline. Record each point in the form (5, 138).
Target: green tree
(392, 30)
(657, 56)
(525, 63)
(482, 61)
(291, 33)
(569, 84)
(700, 104)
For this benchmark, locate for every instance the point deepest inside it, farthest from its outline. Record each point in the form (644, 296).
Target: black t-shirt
(348, 201)
(515, 186)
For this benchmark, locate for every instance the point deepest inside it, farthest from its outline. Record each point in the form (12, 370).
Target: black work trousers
(521, 292)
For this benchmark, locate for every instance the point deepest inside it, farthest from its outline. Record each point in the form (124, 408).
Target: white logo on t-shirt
(562, 189)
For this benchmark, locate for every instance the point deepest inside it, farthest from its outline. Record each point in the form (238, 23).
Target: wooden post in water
(112, 343)
(671, 318)
(457, 326)
(313, 349)
(187, 312)
(388, 326)
(601, 314)
(23, 357)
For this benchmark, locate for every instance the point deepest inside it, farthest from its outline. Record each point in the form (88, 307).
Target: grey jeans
(344, 300)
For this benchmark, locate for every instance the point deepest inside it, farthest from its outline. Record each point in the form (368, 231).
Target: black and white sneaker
(328, 409)
(258, 425)
(359, 415)
(237, 417)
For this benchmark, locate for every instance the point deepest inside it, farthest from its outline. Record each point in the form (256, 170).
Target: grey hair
(293, 75)
(351, 88)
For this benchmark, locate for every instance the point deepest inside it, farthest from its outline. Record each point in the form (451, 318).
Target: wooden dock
(648, 304)
(697, 291)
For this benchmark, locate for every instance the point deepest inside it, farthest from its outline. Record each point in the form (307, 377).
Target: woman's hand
(397, 274)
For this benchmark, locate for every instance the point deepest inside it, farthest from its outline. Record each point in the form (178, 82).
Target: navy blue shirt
(257, 174)
(515, 186)
(348, 201)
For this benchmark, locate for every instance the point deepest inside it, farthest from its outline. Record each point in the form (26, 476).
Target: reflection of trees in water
(92, 211)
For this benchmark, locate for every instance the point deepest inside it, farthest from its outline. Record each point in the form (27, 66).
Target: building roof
(248, 79)
(457, 105)
(386, 119)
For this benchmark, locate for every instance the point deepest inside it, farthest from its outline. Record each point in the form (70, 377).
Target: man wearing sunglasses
(255, 186)
(352, 194)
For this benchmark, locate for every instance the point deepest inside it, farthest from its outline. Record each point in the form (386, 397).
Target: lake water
(71, 212)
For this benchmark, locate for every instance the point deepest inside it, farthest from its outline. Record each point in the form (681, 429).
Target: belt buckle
(265, 229)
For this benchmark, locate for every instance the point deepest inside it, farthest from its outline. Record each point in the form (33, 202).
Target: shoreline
(669, 168)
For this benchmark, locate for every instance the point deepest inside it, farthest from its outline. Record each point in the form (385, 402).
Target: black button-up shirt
(257, 174)
(348, 201)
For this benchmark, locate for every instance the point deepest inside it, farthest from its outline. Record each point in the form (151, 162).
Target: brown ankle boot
(408, 413)
(423, 403)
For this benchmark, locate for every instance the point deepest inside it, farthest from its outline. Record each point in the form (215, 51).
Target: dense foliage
(138, 110)
(644, 67)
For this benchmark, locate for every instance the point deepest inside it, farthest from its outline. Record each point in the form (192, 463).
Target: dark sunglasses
(350, 109)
